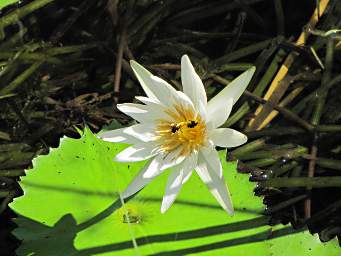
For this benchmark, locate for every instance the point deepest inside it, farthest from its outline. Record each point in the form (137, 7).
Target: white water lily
(179, 130)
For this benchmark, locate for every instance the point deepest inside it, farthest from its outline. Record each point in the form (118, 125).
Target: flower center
(187, 131)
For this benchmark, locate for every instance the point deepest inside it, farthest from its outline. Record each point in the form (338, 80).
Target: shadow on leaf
(59, 239)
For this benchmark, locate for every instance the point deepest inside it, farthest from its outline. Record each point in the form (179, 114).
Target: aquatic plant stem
(20, 13)
(311, 171)
(21, 78)
(284, 111)
(291, 182)
(12, 173)
(283, 72)
(246, 149)
(284, 204)
(118, 66)
(317, 116)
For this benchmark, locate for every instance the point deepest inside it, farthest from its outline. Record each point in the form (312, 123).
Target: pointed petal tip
(133, 62)
(252, 70)
(185, 56)
(122, 157)
(228, 207)
(118, 106)
(135, 66)
(227, 137)
(192, 84)
(244, 139)
(163, 209)
(165, 205)
(186, 62)
(138, 68)
(230, 211)
(117, 159)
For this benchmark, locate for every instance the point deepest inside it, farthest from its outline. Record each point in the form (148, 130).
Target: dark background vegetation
(66, 63)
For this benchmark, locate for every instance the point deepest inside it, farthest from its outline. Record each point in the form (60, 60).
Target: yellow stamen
(187, 131)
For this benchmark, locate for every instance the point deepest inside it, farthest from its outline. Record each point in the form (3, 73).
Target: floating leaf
(71, 206)
(4, 3)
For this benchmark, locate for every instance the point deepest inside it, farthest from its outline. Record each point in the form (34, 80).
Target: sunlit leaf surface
(71, 206)
(4, 3)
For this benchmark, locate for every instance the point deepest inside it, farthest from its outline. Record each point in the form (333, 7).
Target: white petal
(202, 108)
(118, 136)
(165, 93)
(128, 108)
(137, 152)
(211, 157)
(136, 111)
(234, 89)
(154, 167)
(179, 175)
(151, 103)
(143, 132)
(226, 137)
(180, 100)
(164, 161)
(144, 77)
(216, 186)
(142, 113)
(187, 176)
(192, 84)
(184, 100)
(138, 182)
(147, 100)
(172, 159)
(173, 187)
(218, 111)
(189, 164)
(155, 87)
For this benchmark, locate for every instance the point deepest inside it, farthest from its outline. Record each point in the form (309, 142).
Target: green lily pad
(71, 206)
(4, 3)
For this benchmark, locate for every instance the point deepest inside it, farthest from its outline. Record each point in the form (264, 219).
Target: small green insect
(129, 217)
